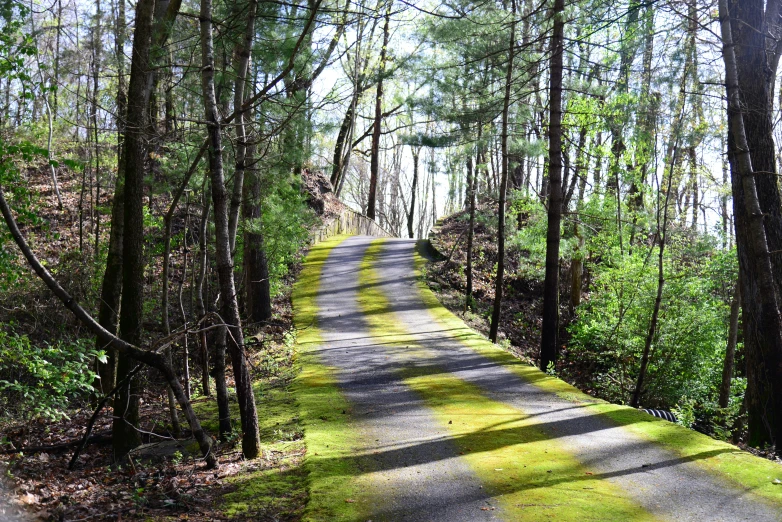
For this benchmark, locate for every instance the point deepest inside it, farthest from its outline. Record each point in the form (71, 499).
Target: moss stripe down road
(752, 475)
(334, 491)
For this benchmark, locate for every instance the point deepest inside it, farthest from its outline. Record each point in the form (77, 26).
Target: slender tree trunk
(730, 350)
(111, 287)
(576, 272)
(199, 291)
(662, 233)
(96, 47)
(258, 303)
(472, 181)
(230, 308)
(168, 221)
(125, 437)
(49, 118)
(578, 172)
(55, 101)
(495, 316)
(185, 348)
(549, 345)
(242, 62)
(416, 152)
(375, 155)
(724, 217)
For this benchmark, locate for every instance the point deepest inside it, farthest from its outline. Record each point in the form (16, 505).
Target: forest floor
(163, 480)
(410, 415)
(522, 298)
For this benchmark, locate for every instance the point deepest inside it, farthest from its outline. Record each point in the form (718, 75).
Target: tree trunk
(762, 325)
(374, 165)
(241, 64)
(55, 101)
(125, 436)
(549, 344)
(472, 182)
(495, 316)
(730, 350)
(230, 308)
(576, 272)
(96, 48)
(416, 152)
(662, 233)
(199, 291)
(258, 301)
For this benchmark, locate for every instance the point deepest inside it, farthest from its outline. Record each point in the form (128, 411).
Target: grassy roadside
(742, 468)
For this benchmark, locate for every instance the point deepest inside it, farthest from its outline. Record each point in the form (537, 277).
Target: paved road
(414, 459)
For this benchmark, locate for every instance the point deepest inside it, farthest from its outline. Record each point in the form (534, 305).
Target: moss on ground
(741, 468)
(276, 488)
(336, 491)
(527, 472)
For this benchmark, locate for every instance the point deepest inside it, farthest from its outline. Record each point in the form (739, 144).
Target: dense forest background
(613, 157)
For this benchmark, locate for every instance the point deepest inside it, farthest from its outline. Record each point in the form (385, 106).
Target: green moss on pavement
(527, 472)
(336, 490)
(743, 469)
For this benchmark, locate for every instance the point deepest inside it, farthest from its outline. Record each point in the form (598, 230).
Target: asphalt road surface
(417, 469)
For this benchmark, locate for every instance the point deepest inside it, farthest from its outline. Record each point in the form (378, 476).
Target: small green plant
(176, 458)
(685, 412)
(138, 497)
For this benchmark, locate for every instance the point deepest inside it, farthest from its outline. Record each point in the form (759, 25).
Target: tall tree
(125, 436)
(375, 152)
(757, 209)
(230, 307)
(549, 344)
(500, 279)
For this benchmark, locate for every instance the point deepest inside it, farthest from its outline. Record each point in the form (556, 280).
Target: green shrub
(689, 343)
(44, 380)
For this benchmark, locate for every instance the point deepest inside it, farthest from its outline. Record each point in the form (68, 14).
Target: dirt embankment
(520, 319)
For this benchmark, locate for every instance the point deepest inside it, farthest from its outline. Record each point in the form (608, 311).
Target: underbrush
(602, 338)
(45, 380)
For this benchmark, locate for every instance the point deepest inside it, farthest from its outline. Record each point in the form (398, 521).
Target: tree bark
(415, 150)
(111, 286)
(472, 181)
(549, 344)
(125, 436)
(500, 280)
(199, 291)
(230, 308)
(374, 165)
(96, 49)
(241, 65)
(258, 301)
(748, 122)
